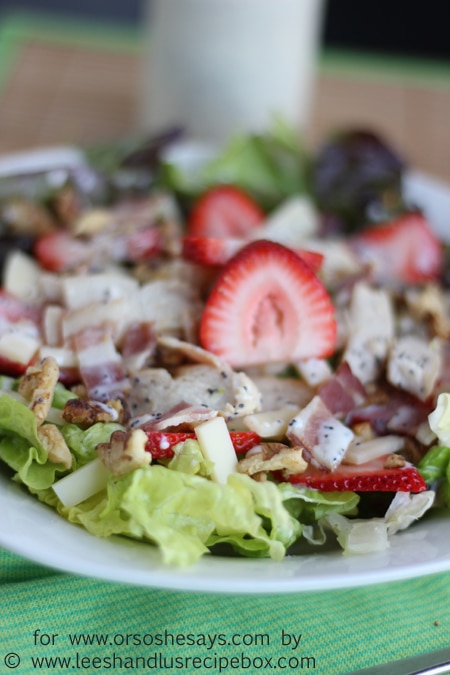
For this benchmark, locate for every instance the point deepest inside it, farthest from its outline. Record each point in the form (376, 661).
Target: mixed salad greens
(246, 355)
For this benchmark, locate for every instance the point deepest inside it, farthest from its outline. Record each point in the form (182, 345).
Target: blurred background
(69, 73)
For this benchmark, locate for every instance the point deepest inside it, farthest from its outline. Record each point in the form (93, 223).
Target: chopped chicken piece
(38, 385)
(277, 392)
(53, 441)
(371, 331)
(125, 452)
(323, 437)
(209, 382)
(182, 415)
(314, 371)
(415, 365)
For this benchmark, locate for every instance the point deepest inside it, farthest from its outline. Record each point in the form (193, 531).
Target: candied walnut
(125, 451)
(38, 385)
(86, 413)
(364, 431)
(53, 441)
(394, 461)
(272, 457)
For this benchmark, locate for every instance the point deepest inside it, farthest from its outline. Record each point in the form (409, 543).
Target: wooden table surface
(59, 90)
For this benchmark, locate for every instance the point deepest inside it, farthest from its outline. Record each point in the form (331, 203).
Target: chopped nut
(394, 461)
(364, 431)
(92, 221)
(87, 413)
(273, 457)
(125, 452)
(53, 441)
(37, 387)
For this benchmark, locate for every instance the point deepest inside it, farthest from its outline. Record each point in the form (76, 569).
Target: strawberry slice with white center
(224, 211)
(373, 476)
(267, 305)
(404, 250)
(162, 443)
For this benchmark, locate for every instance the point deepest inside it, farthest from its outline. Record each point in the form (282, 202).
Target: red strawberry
(370, 477)
(211, 251)
(143, 244)
(224, 211)
(215, 251)
(161, 443)
(267, 305)
(404, 250)
(60, 251)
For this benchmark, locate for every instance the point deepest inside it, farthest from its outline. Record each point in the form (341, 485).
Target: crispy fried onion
(38, 385)
(272, 457)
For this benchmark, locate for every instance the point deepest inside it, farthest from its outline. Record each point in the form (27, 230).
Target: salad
(246, 356)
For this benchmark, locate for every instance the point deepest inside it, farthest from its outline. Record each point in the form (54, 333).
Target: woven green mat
(55, 622)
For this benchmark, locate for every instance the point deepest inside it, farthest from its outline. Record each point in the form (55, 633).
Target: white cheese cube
(82, 483)
(216, 445)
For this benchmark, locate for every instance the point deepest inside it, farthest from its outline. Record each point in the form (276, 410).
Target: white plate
(34, 531)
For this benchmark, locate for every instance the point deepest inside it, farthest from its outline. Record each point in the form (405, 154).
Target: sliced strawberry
(405, 250)
(60, 251)
(312, 258)
(143, 244)
(243, 441)
(161, 443)
(370, 477)
(267, 305)
(216, 251)
(211, 251)
(224, 211)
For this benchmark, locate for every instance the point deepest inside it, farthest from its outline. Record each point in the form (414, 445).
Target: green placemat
(61, 623)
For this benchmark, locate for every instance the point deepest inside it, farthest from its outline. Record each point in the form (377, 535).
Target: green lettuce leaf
(188, 458)
(185, 515)
(21, 448)
(82, 442)
(435, 470)
(270, 166)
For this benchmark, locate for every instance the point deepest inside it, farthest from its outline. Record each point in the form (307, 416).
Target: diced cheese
(82, 290)
(18, 346)
(64, 357)
(360, 452)
(82, 483)
(52, 324)
(21, 277)
(216, 446)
